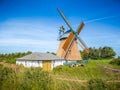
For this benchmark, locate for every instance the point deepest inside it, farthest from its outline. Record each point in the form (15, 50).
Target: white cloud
(34, 34)
(25, 42)
(39, 45)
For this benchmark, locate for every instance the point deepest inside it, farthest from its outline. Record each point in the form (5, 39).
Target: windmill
(69, 40)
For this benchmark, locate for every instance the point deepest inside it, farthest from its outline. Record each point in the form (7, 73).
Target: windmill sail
(73, 36)
(80, 28)
(83, 45)
(68, 41)
(64, 18)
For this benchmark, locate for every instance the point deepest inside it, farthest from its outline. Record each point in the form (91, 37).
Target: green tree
(99, 53)
(107, 52)
(11, 58)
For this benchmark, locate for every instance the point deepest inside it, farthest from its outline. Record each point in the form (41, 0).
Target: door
(46, 65)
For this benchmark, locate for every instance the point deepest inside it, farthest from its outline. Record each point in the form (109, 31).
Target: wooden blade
(80, 28)
(68, 40)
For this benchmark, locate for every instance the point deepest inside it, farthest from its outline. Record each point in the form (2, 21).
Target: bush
(115, 61)
(7, 76)
(30, 79)
(61, 68)
(97, 84)
(36, 79)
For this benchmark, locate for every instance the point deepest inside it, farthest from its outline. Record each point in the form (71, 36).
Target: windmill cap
(65, 35)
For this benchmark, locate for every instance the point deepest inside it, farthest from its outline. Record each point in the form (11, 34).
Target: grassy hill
(94, 69)
(96, 75)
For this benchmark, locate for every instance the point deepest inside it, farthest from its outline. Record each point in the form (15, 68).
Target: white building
(45, 60)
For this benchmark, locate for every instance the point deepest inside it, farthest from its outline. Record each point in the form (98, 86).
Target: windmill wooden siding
(45, 60)
(73, 54)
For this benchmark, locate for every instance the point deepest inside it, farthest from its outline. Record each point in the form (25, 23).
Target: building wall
(57, 63)
(29, 63)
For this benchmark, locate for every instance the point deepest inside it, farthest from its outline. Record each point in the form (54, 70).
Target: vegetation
(97, 84)
(116, 61)
(7, 78)
(25, 79)
(93, 76)
(94, 72)
(93, 69)
(11, 58)
(99, 53)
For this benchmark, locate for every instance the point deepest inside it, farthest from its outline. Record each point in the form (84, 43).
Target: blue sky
(33, 24)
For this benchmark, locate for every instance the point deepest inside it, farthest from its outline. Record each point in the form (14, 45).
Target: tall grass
(91, 70)
(61, 78)
(96, 76)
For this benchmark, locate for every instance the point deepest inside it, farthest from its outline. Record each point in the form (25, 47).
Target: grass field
(95, 75)
(77, 78)
(94, 69)
(106, 62)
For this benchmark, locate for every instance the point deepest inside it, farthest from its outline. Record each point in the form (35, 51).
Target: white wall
(29, 63)
(56, 63)
(33, 63)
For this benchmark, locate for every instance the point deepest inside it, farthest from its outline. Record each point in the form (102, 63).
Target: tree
(107, 52)
(99, 53)
(11, 58)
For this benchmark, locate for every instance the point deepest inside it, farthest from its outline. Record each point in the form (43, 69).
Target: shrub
(115, 61)
(36, 79)
(30, 79)
(7, 76)
(97, 84)
(61, 68)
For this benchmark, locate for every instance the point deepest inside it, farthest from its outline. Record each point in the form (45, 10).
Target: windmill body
(73, 53)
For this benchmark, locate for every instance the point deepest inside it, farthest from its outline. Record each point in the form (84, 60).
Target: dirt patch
(73, 80)
(14, 67)
(84, 81)
(110, 68)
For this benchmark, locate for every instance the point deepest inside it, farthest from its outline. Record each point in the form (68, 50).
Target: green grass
(93, 71)
(106, 62)
(69, 85)
(62, 78)
(90, 70)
